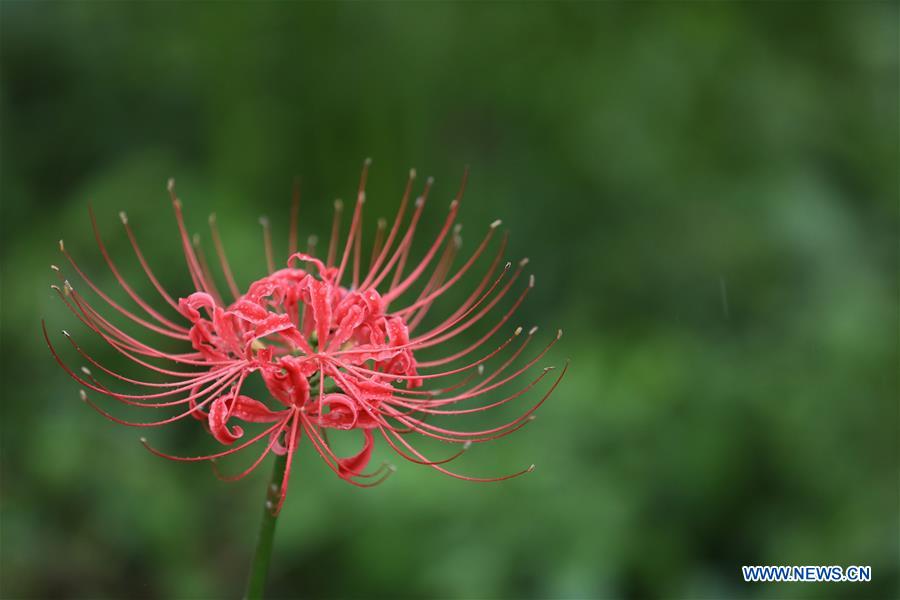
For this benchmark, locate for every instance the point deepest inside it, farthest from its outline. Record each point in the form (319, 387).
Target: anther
(532, 330)
(496, 224)
(523, 262)
(123, 217)
(531, 281)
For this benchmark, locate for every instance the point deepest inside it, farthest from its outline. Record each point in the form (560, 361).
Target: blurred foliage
(707, 193)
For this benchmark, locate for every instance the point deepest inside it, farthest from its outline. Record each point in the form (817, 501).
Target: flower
(333, 355)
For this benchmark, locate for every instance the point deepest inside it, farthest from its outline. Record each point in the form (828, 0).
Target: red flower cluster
(332, 357)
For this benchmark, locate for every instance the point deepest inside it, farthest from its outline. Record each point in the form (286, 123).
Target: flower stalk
(259, 568)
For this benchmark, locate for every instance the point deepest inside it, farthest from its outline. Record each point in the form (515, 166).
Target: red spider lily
(332, 355)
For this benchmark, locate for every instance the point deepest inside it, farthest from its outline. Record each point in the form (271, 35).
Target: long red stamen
(335, 231)
(123, 284)
(223, 260)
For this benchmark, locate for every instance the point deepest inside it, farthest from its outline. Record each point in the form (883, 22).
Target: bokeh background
(707, 193)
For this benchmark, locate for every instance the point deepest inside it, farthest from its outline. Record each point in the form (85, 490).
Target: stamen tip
(532, 330)
(496, 224)
(123, 217)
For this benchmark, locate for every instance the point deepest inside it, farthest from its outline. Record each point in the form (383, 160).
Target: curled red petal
(254, 411)
(356, 464)
(218, 426)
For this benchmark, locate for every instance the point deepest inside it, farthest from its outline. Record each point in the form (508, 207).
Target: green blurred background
(707, 193)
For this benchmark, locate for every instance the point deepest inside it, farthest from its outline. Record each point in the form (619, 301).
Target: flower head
(337, 345)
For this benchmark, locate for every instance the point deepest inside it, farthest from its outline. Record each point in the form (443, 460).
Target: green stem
(259, 568)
